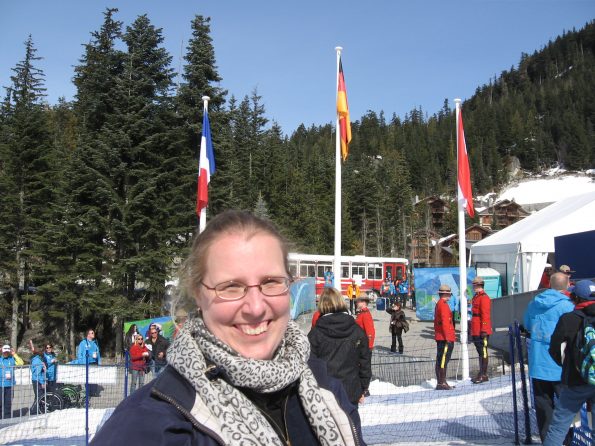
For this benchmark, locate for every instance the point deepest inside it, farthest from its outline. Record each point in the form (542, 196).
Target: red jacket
(364, 320)
(444, 329)
(137, 360)
(315, 317)
(481, 307)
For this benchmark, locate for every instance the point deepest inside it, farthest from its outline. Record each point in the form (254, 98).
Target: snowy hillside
(534, 192)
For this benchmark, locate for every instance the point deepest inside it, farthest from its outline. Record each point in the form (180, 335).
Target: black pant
(50, 386)
(352, 306)
(481, 345)
(6, 402)
(396, 335)
(37, 390)
(443, 352)
(543, 395)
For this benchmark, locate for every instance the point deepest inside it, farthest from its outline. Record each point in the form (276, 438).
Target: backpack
(584, 348)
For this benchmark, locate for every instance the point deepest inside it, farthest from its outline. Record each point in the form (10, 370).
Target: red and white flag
(206, 165)
(465, 196)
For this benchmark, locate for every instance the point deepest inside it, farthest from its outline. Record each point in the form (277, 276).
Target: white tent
(524, 246)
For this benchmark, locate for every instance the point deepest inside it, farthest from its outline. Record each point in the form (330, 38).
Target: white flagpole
(462, 262)
(337, 261)
(203, 212)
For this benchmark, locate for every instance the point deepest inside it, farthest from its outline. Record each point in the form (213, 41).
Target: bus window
(389, 272)
(345, 270)
(359, 269)
(400, 274)
(321, 268)
(293, 268)
(307, 270)
(375, 271)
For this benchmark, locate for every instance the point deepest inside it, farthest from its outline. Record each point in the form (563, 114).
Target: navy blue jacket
(159, 414)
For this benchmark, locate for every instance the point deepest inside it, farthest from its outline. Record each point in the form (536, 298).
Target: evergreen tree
(26, 184)
(201, 78)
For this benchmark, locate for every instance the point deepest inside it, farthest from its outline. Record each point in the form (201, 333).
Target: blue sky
(398, 55)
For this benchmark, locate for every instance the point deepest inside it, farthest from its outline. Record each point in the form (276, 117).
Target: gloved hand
(483, 335)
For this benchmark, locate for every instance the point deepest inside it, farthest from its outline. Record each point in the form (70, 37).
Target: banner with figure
(165, 324)
(427, 282)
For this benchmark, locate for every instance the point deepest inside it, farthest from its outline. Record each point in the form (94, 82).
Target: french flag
(464, 174)
(206, 165)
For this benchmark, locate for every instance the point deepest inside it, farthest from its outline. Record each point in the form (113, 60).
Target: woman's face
(254, 325)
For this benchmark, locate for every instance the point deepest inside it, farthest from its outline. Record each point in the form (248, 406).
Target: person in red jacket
(364, 319)
(315, 317)
(481, 327)
(139, 355)
(444, 334)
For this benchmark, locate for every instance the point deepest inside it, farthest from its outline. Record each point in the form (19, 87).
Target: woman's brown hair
(331, 301)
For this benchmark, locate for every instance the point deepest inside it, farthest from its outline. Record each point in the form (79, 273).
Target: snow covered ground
(390, 416)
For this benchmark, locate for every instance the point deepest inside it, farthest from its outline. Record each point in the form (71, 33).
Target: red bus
(368, 272)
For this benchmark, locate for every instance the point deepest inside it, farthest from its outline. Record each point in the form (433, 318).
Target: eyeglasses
(232, 290)
(48, 348)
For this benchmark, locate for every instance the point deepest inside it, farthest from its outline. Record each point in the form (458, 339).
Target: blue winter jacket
(37, 372)
(541, 316)
(7, 367)
(51, 367)
(404, 287)
(84, 347)
(165, 408)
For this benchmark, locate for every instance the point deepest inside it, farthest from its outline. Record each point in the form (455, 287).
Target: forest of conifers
(98, 193)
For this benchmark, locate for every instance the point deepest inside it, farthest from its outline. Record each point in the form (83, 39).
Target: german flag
(343, 114)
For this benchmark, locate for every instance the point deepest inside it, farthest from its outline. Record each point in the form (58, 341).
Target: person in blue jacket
(88, 347)
(8, 362)
(403, 292)
(540, 319)
(51, 363)
(38, 369)
(240, 371)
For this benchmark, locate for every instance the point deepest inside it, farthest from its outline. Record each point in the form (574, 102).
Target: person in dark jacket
(398, 323)
(338, 340)
(238, 371)
(158, 346)
(562, 346)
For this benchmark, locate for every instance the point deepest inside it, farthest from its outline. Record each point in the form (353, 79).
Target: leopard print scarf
(237, 420)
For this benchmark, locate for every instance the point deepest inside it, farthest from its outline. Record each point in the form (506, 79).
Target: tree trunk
(14, 320)
(117, 327)
(72, 347)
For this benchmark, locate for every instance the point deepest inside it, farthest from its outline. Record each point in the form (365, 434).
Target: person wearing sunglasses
(49, 357)
(158, 346)
(139, 356)
(238, 371)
